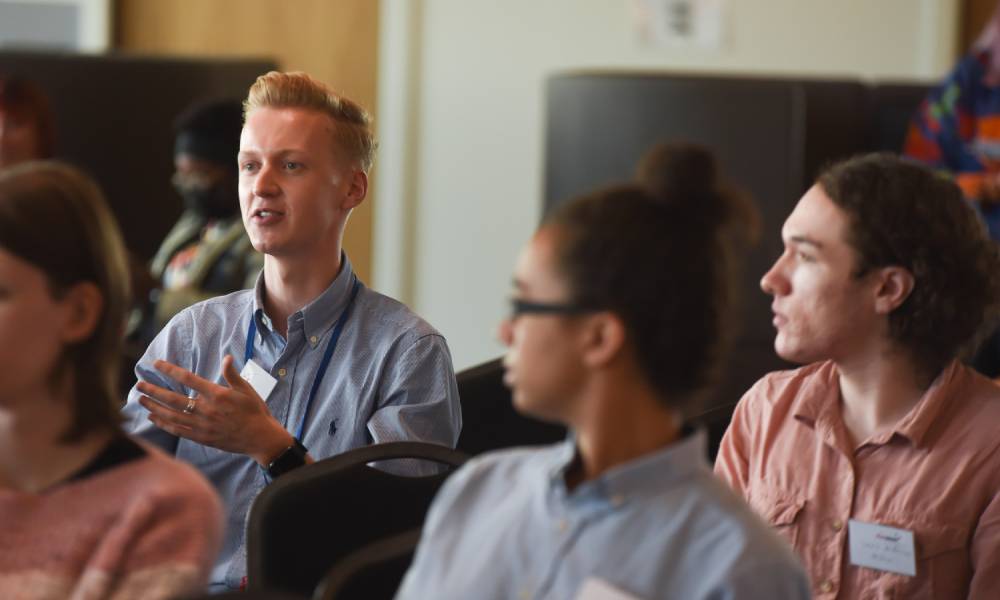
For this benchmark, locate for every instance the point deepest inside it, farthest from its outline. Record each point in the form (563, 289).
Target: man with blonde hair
(310, 362)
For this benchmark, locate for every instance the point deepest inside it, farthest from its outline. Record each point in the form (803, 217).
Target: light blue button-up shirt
(661, 526)
(390, 379)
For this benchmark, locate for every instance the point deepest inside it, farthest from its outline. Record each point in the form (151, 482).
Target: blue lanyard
(327, 355)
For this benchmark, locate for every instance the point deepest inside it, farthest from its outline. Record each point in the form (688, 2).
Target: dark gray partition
(113, 117)
(891, 106)
(771, 137)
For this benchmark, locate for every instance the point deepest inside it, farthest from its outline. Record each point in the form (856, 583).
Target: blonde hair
(352, 131)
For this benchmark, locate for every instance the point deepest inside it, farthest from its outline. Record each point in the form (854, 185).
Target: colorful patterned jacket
(957, 130)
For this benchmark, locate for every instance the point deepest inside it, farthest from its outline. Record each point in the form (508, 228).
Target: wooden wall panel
(975, 15)
(334, 40)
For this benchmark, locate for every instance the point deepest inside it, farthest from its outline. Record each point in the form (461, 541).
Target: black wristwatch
(292, 458)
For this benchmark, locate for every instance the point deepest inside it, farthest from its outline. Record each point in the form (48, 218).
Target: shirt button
(617, 500)
(524, 595)
(837, 525)
(562, 525)
(313, 340)
(826, 587)
(281, 372)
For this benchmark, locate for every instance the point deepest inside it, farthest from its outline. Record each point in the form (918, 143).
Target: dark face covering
(205, 175)
(210, 200)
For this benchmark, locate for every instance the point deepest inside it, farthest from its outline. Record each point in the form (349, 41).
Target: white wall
(462, 124)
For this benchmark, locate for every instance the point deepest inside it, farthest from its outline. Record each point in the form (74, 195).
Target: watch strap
(292, 458)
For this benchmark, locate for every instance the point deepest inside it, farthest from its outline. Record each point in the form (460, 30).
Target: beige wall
(334, 40)
(466, 116)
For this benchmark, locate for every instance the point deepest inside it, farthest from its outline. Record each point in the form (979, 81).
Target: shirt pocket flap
(933, 540)
(775, 507)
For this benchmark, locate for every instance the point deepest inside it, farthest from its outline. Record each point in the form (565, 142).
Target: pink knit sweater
(148, 528)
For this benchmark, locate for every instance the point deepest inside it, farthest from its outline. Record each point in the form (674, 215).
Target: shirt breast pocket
(779, 509)
(942, 560)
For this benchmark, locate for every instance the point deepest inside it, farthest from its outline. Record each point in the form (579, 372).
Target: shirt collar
(915, 425)
(820, 392)
(319, 315)
(648, 473)
(821, 400)
(262, 320)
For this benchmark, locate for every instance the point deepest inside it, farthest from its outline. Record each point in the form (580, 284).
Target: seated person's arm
(168, 345)
(777, 580)
(418, 396)
(733, 459)
(170, 401)
(433, 549)
(986, 553)
(230, 416)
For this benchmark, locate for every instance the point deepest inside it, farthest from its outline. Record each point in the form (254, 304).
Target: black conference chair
(489, 420)
(372, 573)
(310, 518)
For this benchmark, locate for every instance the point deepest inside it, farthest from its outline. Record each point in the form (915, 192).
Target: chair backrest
(715, 421)
(489, 420)
(371, 573)
(307, 520)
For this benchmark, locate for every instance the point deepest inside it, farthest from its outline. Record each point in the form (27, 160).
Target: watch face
(292, 458)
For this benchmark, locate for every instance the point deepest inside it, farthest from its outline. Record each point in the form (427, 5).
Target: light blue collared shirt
(661, 526)
(390, 379)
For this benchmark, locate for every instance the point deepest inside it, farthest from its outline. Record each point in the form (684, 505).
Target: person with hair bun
(618, 323)
(85, 510)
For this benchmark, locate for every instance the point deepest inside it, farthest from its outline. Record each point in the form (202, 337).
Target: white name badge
(259, 379)
(598, 589)
(882, 547)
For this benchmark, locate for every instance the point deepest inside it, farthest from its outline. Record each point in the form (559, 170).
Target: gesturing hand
(233, 418)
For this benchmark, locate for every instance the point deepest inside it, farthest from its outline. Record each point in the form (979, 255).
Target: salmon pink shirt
(936, 473)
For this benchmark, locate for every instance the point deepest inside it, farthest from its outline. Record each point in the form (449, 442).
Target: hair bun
(676, 172)
(685, 178)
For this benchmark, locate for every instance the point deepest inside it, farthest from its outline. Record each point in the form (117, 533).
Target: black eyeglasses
(520, 307)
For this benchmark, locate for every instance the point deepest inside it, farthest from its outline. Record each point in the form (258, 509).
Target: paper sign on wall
(674, 23)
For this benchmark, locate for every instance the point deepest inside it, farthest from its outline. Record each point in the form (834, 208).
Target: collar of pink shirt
(820, 407)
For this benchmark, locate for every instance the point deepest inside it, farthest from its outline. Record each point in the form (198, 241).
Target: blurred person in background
(27, 127)
(622, 312)
(86, 511)
(956, 131)
(207, 253)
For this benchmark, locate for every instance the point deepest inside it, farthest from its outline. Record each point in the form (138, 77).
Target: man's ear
(894, 286)
(603, 338)
(81, 310)
(358, 189)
